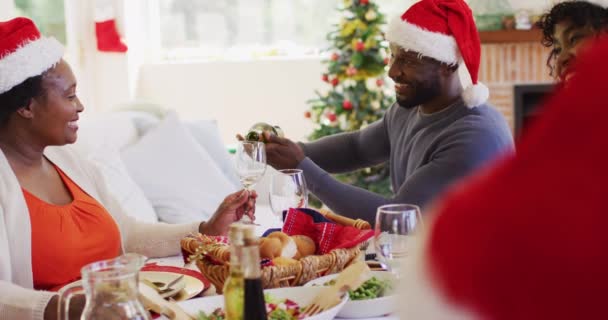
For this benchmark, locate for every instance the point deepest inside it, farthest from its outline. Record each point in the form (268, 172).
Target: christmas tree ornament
(363, 2)
(379, 82)
(371, 15)
(351, 71)
(307, 115)
(325, 77)
(386, 60)
(334, 57)
(335, 81)
(359, 46)
(108, 38)
(347, 105)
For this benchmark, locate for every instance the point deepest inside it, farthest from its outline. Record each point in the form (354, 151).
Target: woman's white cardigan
(18, 299)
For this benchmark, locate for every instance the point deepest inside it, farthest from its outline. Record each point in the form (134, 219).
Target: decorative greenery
(357, 94)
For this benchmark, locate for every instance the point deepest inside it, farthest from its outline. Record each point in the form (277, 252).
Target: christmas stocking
(108, 39)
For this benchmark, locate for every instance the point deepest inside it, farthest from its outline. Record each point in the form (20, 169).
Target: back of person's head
(25, 56)
(579, 14)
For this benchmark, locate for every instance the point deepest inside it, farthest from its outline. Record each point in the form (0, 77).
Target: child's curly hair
(579, 13)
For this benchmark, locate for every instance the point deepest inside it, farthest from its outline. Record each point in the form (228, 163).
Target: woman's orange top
(67, 237)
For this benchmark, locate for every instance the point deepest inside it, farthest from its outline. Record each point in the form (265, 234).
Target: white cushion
(100, 136)
(207, 134)
(124, 189)
(181, 180)
(104, 131)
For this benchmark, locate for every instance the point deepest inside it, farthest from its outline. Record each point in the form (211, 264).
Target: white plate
(301, 295)
(364, 308)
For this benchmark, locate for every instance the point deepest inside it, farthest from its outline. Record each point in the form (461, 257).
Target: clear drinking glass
(250, 165)
(395, 233)
(287, 190)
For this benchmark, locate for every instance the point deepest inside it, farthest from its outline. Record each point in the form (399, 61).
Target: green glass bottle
(256, 132)
(234, 286)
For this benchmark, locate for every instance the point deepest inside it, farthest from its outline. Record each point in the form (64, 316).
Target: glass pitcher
(111, 290)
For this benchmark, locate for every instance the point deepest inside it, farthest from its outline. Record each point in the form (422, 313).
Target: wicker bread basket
(211, 257)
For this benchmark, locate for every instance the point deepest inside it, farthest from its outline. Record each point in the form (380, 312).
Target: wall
(7, 9)
(237, 94)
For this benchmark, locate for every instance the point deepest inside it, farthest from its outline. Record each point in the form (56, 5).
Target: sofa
(162, 168)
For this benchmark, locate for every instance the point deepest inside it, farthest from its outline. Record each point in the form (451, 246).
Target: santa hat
(24, 53)
(527, 239)
(445, 31)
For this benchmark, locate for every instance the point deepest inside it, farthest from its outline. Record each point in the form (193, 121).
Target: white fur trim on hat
(475, 95)
(435, 45)
(29, 60)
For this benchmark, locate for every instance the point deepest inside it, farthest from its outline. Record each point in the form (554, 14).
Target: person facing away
(567, 29)
(56, 212)
(436, 132)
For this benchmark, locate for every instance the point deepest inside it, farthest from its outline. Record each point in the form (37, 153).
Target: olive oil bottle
(234, 284)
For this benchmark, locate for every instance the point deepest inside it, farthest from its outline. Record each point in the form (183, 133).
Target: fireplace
(527, 100)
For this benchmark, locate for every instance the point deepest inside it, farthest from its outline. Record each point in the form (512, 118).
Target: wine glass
(395, 233)
(287, 190)
(250, 164)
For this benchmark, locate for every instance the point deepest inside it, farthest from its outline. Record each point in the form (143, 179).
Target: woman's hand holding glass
(234, 207)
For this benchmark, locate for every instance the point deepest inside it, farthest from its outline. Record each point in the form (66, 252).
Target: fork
(349, 279)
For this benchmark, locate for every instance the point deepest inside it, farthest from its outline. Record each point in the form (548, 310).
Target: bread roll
(289, 248)
(270, 248)
(306, 246)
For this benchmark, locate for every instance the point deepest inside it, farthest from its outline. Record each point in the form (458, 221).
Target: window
(49, 16)
(245, 29)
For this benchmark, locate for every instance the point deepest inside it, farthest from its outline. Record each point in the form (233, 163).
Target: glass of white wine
(395, 233)
(250, 164)
(287, 190)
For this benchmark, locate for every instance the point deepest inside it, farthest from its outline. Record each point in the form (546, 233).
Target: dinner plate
(194, 283)
(364, 308)
(301, 295)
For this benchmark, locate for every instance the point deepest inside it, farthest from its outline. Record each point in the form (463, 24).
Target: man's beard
(423, 92)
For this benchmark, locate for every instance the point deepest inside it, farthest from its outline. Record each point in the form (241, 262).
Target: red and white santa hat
(24, 53)
(445, 31)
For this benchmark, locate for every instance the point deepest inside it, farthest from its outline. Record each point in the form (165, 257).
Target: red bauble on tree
(386, 60)
(379, 82)
(351, 71)
(307, 114)
(335, 81)
(363, 2)
(347, 105)
(334, 57)
(325, 78)
(360, 46)
(331, 117)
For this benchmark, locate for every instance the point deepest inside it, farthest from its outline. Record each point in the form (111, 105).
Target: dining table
(264, 221)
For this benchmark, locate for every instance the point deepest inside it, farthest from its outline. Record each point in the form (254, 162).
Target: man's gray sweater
(426, 153)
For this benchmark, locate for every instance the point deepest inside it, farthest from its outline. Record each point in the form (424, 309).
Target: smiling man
(435, 134)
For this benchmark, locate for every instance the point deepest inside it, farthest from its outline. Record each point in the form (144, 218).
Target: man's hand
(281, 153)
(230, 210)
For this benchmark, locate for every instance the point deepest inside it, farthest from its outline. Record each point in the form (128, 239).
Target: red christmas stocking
(108, 39)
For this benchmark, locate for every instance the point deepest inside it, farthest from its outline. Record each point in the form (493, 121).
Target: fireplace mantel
(510, 36)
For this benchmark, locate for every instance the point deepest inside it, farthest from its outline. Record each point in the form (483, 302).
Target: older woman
(567, 27)
(56, 213)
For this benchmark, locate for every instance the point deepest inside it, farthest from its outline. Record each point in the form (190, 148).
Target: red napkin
(328, 235)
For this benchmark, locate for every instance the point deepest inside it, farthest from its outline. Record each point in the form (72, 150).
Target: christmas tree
(357, 94)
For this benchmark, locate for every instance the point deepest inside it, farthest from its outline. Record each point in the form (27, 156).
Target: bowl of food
(374, 298)
(281, 303)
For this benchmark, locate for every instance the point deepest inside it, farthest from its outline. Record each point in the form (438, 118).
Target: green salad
(370, 289)
(277, 309)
